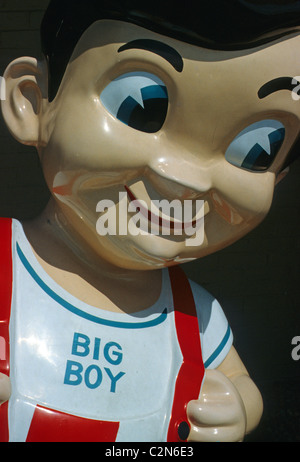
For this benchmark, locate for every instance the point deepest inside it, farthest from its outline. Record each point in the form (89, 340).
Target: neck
(74, 266)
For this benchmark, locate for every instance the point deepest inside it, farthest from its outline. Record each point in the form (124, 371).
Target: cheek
(91, 139)
(241, 196)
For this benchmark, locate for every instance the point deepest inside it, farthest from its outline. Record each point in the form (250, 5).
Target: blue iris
(130, 105)
(139, 100)
(256, 147)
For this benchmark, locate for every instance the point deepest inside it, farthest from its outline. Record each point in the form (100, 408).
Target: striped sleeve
(216, 334)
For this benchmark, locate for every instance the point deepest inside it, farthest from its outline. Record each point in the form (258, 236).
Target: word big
(92, 376)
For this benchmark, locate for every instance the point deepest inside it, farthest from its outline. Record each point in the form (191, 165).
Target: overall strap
(49, 426)
(6, 278)
(191, 374)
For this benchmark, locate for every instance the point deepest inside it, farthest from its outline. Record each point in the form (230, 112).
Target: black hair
(214, 24)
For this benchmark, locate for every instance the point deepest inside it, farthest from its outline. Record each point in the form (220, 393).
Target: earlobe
(26, 84)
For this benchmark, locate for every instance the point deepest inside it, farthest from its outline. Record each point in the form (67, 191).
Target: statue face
(159, 119)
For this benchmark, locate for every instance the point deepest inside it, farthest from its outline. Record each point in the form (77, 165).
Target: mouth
(155, 216)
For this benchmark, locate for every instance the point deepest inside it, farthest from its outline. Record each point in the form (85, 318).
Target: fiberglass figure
(106, 339)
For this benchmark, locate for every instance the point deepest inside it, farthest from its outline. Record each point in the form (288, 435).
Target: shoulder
(9, 228)
(5, 224)
(12, 237)
(6, 233)
(215, 331)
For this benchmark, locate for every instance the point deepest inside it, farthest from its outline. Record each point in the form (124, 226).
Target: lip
(159, 220)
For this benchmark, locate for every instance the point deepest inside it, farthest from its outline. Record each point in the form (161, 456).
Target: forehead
(218, 88)
(112, 33)
(109, 48)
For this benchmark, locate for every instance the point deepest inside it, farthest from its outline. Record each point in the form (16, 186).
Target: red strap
(191, 374)
(5, 306)
(50, 426)
(46, 424)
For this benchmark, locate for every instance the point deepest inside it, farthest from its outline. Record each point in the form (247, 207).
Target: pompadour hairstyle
(213, 24)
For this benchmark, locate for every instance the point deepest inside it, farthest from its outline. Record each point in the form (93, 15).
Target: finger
(5, 388)
(224, 434)
(216, 383)
(219, 402)
(215, 413)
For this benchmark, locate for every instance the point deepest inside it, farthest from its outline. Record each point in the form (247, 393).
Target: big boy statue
(138, 103)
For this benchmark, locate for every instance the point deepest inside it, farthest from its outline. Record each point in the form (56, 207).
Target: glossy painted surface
(126, 119)
(90, 155)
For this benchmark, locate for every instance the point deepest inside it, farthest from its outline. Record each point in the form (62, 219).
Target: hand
(5, 389)
(219, 415)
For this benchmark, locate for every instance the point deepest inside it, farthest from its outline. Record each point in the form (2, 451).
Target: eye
(138, 99)
(256, 147)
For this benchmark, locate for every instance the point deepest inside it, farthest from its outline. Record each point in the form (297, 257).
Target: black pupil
(151, 118)
(258, 159)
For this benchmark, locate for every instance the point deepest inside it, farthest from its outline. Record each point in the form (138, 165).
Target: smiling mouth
(160, 219)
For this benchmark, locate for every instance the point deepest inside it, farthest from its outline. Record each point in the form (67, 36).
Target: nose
(183, 176)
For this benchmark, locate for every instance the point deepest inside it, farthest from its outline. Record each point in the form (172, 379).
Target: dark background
(256, 280)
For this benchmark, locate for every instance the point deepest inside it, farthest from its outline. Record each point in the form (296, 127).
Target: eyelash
(138, 99)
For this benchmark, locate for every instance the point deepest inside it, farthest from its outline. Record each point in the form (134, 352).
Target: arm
(233, 368)
(229, 406)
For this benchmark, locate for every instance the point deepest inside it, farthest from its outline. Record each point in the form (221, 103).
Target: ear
(26, 87)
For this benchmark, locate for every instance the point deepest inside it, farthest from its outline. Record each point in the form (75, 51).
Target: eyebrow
(157, 47)
(281, 83)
